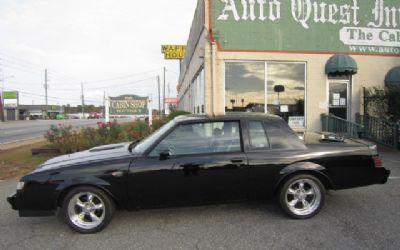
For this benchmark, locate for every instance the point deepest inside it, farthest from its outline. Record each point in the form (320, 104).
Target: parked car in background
(60, 117)
(94, 115)
(196, 160)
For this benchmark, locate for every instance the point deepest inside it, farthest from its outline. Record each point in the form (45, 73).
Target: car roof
(241, 116)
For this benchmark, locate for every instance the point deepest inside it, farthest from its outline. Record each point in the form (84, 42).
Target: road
(22, 130)
(361, 218)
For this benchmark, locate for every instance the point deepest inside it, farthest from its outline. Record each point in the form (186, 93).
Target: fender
(301, 167)
(80, 181)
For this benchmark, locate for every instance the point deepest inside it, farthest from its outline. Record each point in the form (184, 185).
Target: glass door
(339, 99)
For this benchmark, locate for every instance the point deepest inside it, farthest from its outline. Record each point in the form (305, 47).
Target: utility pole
(2, 98)
(164, 95)
(159, 97)
(45, 91)
(106, 108)
(104, 105)
(83, 102)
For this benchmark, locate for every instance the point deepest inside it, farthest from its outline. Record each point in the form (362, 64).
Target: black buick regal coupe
(198, 160)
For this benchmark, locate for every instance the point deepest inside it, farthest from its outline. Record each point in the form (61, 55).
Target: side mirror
(165, 154)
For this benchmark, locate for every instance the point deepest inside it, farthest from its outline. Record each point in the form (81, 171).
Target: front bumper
(12, 200)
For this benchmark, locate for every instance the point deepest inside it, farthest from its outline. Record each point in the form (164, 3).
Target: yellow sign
(173, 51)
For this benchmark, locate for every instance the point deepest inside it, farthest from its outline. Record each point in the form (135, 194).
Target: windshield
(146, 143)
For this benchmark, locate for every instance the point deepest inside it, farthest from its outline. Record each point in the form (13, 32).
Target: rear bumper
(385, 175)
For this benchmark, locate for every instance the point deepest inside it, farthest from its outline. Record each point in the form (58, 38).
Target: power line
(123, 77)
(21, 69)
(9, 57)
(112, 79)
(112, 86)
(123, 84)
(23, 83)
(51, 97)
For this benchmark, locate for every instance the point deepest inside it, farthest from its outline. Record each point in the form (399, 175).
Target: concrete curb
(20, 143)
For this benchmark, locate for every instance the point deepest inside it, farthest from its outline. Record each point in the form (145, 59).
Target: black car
(196, 160)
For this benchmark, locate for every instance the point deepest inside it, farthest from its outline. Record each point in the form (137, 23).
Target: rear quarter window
(281, 136)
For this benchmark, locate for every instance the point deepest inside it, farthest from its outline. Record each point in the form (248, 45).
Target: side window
(258, 137)
(199, 138)
(281, 136)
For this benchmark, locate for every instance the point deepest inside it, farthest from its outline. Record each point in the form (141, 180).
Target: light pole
(2, 97)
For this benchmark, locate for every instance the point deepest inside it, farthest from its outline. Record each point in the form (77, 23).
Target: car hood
(106, 152)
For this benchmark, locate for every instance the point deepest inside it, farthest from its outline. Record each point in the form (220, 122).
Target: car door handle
(237, 160)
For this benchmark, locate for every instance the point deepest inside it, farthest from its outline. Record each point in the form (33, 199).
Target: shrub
(158, 124)
(137, 130)
(69, 141)
(384, 102)
(176, 113)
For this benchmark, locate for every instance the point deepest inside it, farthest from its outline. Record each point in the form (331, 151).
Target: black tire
(97, 204)
(303, 196)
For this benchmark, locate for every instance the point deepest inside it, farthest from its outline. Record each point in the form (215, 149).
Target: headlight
(20, 185)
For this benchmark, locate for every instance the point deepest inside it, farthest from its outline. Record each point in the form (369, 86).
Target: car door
(198, 162)
(270, 146)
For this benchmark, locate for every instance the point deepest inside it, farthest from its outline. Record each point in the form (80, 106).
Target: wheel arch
(65, 188)
(310, 168)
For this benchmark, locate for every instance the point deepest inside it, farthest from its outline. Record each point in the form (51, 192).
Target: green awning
(393, 76)
(341, 64)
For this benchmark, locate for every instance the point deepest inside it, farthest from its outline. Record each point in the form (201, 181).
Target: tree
(383, 102)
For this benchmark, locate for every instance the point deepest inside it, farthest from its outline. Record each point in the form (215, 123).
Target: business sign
(129, 105)
(318, 26)
(10, 99)
(173, 51)
(10, 94)
(296, 122)
(171, 100)
(10, 103)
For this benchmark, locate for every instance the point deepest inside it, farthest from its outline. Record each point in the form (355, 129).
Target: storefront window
(285, 92)
(198, 93)
(281, 85)
(245, 87)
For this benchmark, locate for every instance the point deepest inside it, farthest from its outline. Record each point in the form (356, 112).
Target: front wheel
(302, 196)
(87, 209)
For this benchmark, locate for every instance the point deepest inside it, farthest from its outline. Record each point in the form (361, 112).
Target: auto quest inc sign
(343, 26)
(129, 105)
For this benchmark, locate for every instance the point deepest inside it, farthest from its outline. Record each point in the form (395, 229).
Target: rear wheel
(87, 209)
(302, 196)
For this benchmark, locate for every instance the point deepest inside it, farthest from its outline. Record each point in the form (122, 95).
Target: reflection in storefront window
(245, 87)
(245, 91)
(285, 91)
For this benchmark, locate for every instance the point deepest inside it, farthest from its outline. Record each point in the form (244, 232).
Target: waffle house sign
(173, 51)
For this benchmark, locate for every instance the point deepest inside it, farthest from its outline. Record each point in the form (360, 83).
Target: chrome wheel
(86, 210)
(303, 197)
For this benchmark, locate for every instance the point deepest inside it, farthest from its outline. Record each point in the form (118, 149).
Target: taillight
(377, 161)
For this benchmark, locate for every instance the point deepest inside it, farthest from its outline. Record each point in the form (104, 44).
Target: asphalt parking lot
(362, 218)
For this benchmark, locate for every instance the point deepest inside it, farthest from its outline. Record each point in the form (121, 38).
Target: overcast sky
(108, 45)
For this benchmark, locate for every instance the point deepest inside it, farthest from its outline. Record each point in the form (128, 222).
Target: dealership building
(297, 59)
